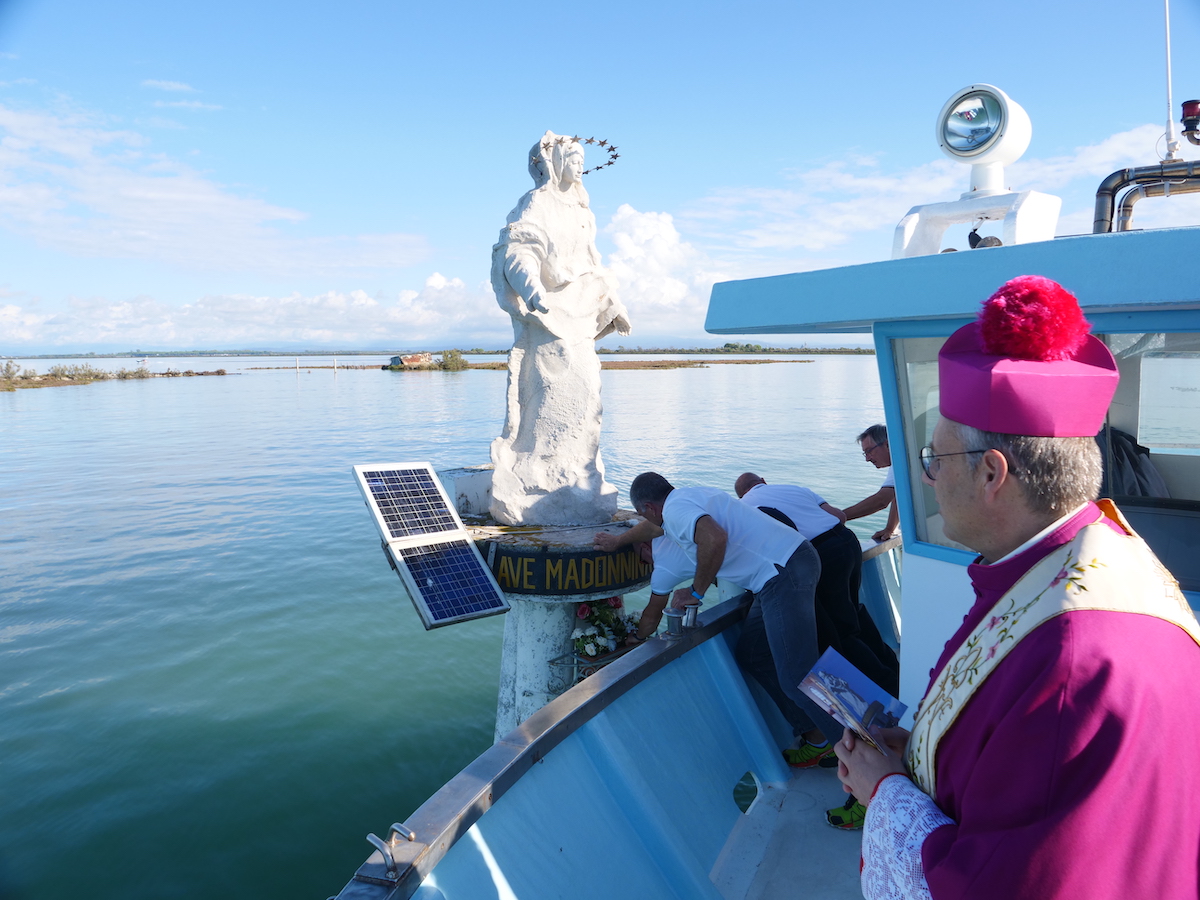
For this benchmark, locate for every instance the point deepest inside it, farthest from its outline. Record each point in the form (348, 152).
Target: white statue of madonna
(547, 275)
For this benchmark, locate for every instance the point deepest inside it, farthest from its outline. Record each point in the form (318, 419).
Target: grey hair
(649, 487)
(876, 433)
(1056, 473)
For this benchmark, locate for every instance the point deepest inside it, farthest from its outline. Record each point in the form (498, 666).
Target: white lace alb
(898, 821)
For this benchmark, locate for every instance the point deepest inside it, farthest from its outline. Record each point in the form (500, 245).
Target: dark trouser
(842, 622)
(778, 645)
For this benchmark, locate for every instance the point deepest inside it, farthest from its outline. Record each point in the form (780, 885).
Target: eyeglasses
(929, 460)
(867, 451)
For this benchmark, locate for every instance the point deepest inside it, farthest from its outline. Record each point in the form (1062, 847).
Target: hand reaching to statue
(606, 541)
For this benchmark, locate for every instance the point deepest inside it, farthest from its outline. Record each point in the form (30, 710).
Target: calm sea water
(211, 684)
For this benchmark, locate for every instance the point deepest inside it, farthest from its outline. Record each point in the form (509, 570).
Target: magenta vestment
(1074, 769)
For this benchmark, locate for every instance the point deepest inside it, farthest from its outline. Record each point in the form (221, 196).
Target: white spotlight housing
(982, 126)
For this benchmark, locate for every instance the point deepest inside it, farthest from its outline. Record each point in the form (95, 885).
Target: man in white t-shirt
(671, 569)
(842, 621)
(720, 535)
(874, 444)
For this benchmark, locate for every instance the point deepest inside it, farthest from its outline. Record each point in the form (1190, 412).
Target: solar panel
(408, 501)
(430, 549)
(452, 582)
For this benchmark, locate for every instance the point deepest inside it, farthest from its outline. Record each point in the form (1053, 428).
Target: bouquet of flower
(603, 627)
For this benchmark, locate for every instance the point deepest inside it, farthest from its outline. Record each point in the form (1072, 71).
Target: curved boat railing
(446, 816)
(412, 849)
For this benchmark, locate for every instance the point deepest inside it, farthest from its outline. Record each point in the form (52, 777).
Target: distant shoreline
(606, 364)
(13, 378)
(730, 348)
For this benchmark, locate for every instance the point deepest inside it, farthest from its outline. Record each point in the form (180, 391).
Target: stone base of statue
(545, 573)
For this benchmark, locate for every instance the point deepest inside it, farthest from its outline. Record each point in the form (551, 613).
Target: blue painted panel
(647, 782)
(1104, 271)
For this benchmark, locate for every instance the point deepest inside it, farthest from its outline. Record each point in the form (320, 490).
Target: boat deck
(802, 852)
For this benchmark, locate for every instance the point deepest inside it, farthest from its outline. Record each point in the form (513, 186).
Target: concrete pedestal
(545, 574)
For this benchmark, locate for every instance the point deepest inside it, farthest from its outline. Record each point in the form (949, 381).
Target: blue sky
(320, 175)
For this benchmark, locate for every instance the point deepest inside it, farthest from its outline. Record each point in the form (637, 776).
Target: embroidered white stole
(1098, 569)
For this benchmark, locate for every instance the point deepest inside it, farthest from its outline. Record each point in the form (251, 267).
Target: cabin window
(1150, 444)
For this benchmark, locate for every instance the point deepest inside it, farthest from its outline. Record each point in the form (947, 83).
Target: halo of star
(603, 144)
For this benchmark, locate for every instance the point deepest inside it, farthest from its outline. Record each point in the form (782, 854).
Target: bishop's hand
(861, 767)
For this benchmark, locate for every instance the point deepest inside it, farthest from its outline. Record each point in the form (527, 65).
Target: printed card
(852, 698)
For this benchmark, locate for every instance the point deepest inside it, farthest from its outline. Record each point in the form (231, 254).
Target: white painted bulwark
(547, 275)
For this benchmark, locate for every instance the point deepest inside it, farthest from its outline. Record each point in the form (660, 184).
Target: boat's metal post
(386, 849)
(398, 829)
(674, 618)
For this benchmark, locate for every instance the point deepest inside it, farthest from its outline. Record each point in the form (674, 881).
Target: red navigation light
(1191, 120)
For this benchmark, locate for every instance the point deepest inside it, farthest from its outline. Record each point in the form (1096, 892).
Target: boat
(660, 775)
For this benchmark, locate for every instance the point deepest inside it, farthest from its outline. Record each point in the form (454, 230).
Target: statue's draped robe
(1074, 769)
(547, 459)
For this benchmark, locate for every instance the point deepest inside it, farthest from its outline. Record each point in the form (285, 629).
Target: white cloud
(828, 206)
(168, 85)
(838, 213)
(664, 280)
(1078, 174)
(1136, 147)
(94, 192)
(97, 192)
(445, 313)
(20, 326)
(844, 211)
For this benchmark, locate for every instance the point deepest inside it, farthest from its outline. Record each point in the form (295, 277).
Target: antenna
(1172, 141)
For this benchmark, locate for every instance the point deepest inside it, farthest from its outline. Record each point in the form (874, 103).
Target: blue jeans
(778, 645)
(850, 630)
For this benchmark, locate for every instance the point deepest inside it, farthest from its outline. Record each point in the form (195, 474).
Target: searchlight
(982, 126)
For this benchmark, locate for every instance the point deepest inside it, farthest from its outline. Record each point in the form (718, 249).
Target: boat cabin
(1133, 289)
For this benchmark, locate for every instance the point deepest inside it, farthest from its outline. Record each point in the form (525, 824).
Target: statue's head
(567, 163)
(557, 160)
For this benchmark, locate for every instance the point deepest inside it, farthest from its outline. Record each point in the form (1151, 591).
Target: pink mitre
(1028, 365)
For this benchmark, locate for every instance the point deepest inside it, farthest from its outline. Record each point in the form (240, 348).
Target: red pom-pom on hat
(1032, 317)
(1027, 365)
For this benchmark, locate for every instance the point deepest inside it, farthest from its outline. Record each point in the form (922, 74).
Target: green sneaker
(849, 817)
(808, 755)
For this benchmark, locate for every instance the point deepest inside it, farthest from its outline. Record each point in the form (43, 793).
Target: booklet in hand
(852, 698)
